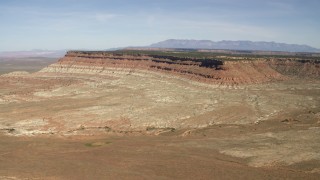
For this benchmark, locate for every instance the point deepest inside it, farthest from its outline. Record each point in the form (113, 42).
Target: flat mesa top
(188, 54)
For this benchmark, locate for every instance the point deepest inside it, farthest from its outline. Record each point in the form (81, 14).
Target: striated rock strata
(203, 70)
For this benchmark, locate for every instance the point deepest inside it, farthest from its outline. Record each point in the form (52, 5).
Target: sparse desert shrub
(11, 130)
(82, 127)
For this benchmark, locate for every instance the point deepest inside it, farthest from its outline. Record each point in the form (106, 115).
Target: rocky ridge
(211, 71)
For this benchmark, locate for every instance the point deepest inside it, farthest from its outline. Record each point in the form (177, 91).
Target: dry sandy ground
(151, 126)
(201, 155)
(30, 64)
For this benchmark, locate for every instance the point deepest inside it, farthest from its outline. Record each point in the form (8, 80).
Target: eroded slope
(201, 70)
(264, 113)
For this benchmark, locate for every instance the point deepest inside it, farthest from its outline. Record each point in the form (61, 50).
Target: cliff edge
(207, 70)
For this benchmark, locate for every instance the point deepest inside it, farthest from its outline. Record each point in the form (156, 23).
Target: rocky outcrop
(202, 70)
(297, 68)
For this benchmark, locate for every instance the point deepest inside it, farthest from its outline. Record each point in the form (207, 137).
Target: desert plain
(73, 120)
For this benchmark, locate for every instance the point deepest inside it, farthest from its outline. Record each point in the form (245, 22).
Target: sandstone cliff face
(208, 71)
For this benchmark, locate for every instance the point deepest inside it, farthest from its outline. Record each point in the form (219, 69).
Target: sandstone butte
(210, 71)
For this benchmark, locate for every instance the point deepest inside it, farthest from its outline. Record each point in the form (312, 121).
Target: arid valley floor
(82, 119)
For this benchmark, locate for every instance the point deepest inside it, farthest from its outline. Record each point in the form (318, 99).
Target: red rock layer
(209, 71)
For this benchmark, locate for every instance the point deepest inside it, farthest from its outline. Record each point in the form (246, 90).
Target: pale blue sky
(102, 24)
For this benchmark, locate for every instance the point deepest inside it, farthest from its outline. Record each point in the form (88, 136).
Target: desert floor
(149, 126)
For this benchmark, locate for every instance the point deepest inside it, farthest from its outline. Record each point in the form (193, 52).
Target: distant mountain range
(33, 53)
(182, 44)
(233, 45)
